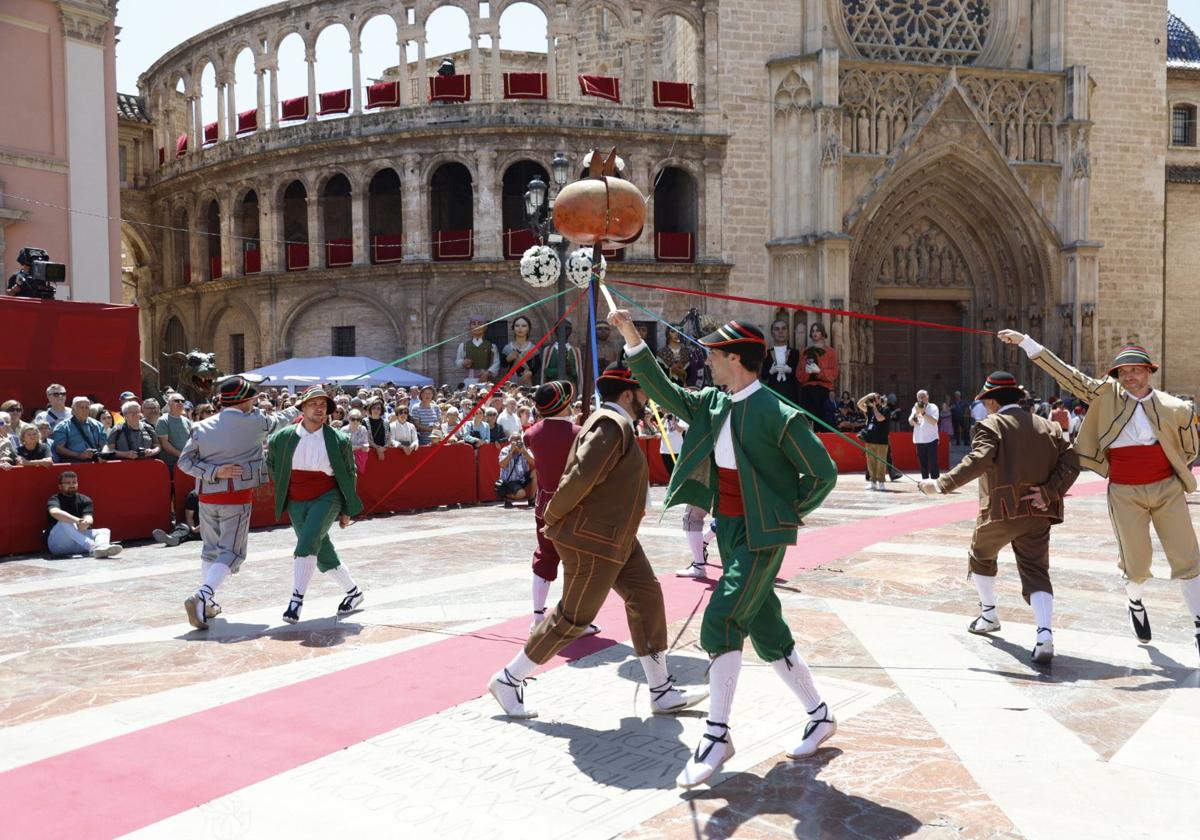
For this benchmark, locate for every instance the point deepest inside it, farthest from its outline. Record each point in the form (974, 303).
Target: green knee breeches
(311, 521)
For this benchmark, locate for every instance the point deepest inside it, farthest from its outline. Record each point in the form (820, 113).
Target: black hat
(734, 334)
(553, 397)
(619, 373)
(1000, 382)
(237, 388)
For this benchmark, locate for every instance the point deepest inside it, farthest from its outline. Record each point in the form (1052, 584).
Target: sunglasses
(58, 393)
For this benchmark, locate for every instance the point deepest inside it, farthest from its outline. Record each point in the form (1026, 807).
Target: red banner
(214, 268)
(294, 109)
(181, 145)
(517, 242)
(605, 87)
(387, 248)
(297, 256)
(450, 88)
(334, 102)
(339, 252)
(90, 348)
(131, 499)
(674, 247)
(524, 85)
(448, 477)
(247, 121)
(252, 262)
(162, 155)
(210, 133)
(450, 245)
(673, 95)
(613, 254)
(383, 95)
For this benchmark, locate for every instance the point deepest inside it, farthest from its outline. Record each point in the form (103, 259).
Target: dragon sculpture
(197, 373)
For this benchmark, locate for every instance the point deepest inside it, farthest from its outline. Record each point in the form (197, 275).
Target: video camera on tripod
(37, 276)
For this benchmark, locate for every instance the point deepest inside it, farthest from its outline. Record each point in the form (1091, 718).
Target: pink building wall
(40, 139)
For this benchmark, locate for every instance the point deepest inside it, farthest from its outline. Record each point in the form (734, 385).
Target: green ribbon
(495, 320)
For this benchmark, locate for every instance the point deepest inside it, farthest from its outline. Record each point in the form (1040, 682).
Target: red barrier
(90, 348)
(131, 499)
(447, 478)
(658, 470)
(487, 467)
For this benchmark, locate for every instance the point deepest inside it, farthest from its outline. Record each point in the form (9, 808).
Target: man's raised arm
(1078, 383)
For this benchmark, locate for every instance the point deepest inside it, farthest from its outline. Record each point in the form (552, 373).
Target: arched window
(212, 240)
(1183, 125)
(248, 230)
(676, 216)
(335, 216)
(385, 217)
(452, 212)
(295, 226)
(517, 236)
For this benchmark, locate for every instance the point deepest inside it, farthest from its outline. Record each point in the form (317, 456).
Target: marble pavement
(377, 725)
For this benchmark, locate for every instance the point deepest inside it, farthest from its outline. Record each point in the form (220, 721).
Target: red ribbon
(803, 308)
(483, 401)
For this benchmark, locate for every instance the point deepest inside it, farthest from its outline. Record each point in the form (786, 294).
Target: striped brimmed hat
(618, 372)
(730, 335)
(316, 392)
(237, 388)
(1000, 382)
(553, 397)
(1132, 354)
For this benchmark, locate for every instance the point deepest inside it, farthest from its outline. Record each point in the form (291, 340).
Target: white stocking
(1191, 596)
(696, 543)
(986, 587)
(341, 576)
(541, 590)
(302, 572)
(794, 671)
(1043, 608)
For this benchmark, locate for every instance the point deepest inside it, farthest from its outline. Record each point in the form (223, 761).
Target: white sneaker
(666, 699)
(510, 694)
(110, 550)
(711, 753)
(691, 571)
(816, 732)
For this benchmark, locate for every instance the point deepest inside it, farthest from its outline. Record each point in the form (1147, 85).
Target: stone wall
(1181, 340)
(1123, 45)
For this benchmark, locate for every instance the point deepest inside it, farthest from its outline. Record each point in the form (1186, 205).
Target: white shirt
(617, 408)
(403, 432)
(925, 431)
(979, 410)
(510, 423)
(310, 454)
(1139, 431)
(780, 367)
(675, 438)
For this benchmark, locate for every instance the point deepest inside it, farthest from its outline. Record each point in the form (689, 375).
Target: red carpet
(125, 783)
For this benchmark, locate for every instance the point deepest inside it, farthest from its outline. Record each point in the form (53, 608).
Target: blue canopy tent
(345, 370)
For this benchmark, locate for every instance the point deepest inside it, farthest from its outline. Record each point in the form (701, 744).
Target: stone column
(316, 231)
(197, 253)
(573, 81)
(415, 197)
(626, 73)
(223, 91)
(270, 230)
(552, 91)
(497, 71)
(359, 196)
(422, 71)
(712, 248)
(475, 69)
(231, 107)
(401, 44)
(229, 248)
(273, 67)
(709, 73)
(310, 58)
(197, 142)
(487, 216)
(647, 73)
(356, 91)
(168, 246)
(643, 176)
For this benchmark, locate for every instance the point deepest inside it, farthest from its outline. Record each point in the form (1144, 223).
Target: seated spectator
(16, 425)
(477, 432)
(57, 410)
(172, 430)
(425, 416)
(134, 438)
(186, 529)
(79, 438)
(360, 439)
(8, 456)
(404, 433)
(516, 473)
(32, 452)
(71, 528)
(377, 428)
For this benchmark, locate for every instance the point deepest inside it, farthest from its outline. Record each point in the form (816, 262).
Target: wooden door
(908, 358)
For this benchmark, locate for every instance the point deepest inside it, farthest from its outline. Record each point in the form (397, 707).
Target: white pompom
(579, 267)
(540, 266)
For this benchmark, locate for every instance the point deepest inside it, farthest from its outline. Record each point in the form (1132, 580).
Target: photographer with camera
(79, 438)
(924, 421)
(37, 275)
(133, 439)
(875, 436)
(516, 473)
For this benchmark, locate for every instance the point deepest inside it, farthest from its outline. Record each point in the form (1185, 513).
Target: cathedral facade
(972, 163)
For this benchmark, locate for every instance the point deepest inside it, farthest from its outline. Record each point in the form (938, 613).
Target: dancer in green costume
(756, 465)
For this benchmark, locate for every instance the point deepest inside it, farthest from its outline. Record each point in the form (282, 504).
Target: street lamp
(539, 215)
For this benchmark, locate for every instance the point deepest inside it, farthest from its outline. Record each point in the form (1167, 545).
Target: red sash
(306, 485)
(1138, 465)
(228, 497)
(729, 493)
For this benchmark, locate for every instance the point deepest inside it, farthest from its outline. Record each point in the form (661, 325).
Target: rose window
(927, 31)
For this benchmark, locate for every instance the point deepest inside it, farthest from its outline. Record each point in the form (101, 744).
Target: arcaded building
(973, 163)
